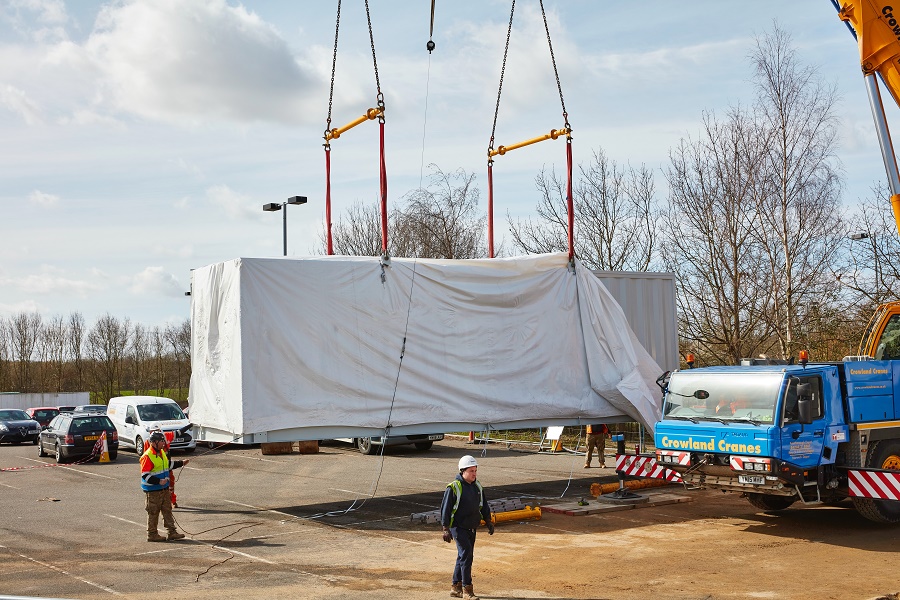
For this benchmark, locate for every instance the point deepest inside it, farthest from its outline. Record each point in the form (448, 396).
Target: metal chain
(502, 71)
(337, 27)
(555, 71)
(380, 96)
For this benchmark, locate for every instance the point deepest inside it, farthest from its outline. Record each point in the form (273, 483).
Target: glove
(490, 527)
(447, 537)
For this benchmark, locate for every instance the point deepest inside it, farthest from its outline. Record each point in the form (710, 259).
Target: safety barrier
(882, 485)
(644, 466)
(100, 448)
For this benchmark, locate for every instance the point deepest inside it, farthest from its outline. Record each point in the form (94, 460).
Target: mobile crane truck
(808, 432)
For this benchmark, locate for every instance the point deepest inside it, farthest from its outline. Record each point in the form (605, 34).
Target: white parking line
(10, 486)
(233, 551)
(66, 573)
(125, 520)
(254, 458)
(68, 468)
(277, 512)
(351, 492)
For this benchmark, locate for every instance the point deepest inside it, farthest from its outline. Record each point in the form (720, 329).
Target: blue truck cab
(780, 434)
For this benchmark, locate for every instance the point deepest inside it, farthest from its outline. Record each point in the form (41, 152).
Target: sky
(140, 139)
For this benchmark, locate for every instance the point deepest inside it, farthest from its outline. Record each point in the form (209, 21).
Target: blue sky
(140, 139)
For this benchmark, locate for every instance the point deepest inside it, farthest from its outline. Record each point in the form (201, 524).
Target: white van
(135, 416)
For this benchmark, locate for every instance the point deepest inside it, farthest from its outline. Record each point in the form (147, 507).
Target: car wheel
(59, 455)
(139, 446)
(17, 442)
(113, 454)
(189, 450)
(34, 441)
(423, 446)
(41, 449)
(365, 445)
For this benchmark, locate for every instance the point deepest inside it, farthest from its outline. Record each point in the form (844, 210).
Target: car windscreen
(159, 412)
(45, 414)
(91, 424)
(14, 415)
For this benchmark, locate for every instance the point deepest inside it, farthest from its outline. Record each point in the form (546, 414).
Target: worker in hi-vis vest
(156, 473)
(462, 510)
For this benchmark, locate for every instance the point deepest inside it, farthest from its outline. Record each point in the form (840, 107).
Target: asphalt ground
(305, 526)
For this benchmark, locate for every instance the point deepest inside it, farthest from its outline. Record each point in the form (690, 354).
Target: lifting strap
(333, 134)
(554, 134)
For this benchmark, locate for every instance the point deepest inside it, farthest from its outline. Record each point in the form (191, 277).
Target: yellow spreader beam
(370, 115)
(554, 133)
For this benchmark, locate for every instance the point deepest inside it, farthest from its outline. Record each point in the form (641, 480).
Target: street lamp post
(274, 207)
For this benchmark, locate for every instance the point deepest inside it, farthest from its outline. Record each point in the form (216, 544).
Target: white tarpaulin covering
(342, 345)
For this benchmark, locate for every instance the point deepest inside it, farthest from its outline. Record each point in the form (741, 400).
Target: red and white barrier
(644, 466)
(882, 485)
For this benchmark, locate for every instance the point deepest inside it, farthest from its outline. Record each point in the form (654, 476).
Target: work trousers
(159, 501)
(465, 549)
(598, 441)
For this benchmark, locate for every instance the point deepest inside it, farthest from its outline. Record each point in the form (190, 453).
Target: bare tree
(799, 213)
(54, 340)
(158, 349)
(440, 221)
(179, 339)
(24, 330)
(5, 356)
(616, 216)
(76, 329)
(106, 344)
(138, 357)
(873, 251)
(722, 267)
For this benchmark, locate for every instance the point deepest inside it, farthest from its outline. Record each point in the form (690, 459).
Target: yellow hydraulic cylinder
(895, 206)
(523, 514)
(632, 484)
(370, 115)
(554, 133)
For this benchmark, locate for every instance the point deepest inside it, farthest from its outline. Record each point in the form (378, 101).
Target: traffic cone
(104, 452)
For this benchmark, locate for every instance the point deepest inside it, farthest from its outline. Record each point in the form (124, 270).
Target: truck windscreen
(705, 396)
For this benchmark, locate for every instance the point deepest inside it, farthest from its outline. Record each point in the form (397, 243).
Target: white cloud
(28, 306)
(51, 281)
(43, 199)
(237, 207)
(18, 102)
(186, 251)
(155, 281)
(177, 60)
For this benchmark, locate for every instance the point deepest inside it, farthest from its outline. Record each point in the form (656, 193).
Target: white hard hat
(467, 461)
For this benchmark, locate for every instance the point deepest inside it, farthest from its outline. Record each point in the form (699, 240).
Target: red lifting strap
(490, 231)
(328, 199)
(383, 177)
(569, 203)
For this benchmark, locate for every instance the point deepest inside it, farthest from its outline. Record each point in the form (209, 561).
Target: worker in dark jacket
(156, 474)
(462, 510)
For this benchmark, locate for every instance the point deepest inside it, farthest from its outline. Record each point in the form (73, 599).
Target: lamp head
(297, 200)
(271, 207)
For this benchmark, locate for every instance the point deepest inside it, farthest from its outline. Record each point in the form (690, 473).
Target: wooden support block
(309, 447)
(277, 447)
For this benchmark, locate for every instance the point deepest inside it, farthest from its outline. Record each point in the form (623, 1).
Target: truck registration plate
(754, 479)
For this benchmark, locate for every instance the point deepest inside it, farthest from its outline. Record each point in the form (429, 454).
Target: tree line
(62, 354)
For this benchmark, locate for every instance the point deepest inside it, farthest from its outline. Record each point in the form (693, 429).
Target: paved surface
(302, 526)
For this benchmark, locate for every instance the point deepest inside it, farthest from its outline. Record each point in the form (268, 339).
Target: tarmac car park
(303, 526)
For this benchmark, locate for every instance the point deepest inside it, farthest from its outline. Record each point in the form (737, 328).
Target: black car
(17, 427)
(99, 409)
(72, 435)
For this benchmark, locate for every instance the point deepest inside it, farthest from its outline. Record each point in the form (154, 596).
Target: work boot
(469, 593)
(155, 537)
(456, 590)
(174, 535)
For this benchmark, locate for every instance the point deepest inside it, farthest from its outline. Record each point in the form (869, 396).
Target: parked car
(66, 408)
(70, 435)
(42, 414)
(99, 409)
(369, 445)
(17, 426)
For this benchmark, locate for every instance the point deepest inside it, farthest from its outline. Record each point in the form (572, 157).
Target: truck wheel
(767, 502)
(366, 446)
(884, 454)
(423, 446)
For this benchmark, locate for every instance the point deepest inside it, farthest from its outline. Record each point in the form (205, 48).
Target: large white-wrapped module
(310, 348)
